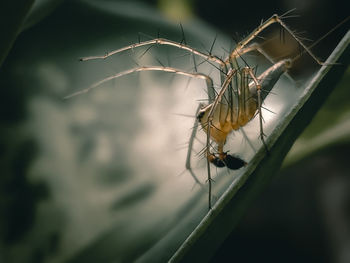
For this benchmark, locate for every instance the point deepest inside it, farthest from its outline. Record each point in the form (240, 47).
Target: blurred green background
(303, 216)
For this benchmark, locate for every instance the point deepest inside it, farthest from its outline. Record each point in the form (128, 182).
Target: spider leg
(274, 19)
(213, 108)
(190, 147)
(159, 41)
(207, 79)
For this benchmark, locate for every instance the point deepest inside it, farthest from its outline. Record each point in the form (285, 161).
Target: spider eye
(200, 115)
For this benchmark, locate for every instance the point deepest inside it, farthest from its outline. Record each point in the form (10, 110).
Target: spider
(238, 100)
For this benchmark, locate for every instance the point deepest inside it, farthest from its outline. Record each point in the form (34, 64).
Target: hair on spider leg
(183, 40)
(145, 35)
(268, 110)
(212, 45)
(146, 51)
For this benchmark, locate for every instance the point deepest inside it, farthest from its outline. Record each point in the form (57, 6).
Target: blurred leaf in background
(12, 15)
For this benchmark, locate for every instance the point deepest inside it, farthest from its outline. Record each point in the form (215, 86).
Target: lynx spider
(238, 100)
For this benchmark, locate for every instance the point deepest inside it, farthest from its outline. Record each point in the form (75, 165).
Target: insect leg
(160, 41)
(258, 90)
(225, 85)
(274, 19)
(255, 47)
(190, 147)
(208, 80)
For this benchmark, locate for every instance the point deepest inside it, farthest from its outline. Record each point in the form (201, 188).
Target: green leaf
(219, 222)
(330, 127)
(39, 10)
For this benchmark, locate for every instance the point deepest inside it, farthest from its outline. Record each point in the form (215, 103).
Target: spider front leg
(190, 147)
(274, 19)
(208, 80)
(160, 41)
(209, 117)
